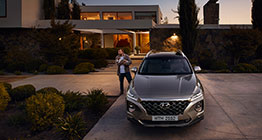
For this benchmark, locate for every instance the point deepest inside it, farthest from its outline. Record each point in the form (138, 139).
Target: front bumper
(189, 116)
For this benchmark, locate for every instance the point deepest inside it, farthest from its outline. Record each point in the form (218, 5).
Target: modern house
(110, 26)
(114, 25)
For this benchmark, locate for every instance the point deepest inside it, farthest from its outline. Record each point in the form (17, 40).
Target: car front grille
(165, 107)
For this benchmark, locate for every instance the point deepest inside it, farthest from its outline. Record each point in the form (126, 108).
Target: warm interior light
(174, 37)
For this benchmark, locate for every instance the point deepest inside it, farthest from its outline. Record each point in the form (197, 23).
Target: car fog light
(199, 106)
(131, 107)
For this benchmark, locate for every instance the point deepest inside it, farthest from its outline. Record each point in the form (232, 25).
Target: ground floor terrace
(114, 38)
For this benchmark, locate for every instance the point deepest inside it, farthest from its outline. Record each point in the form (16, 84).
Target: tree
(49, 9)
(242, 43)
(257, 22)
(63, 10)
(165, 21)
(76, 10)
(256, 14)
(188, 11)
(59, 44)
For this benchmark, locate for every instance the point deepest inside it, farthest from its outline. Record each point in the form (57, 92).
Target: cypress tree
(257, 14)
(49, 9)
(76, 10)
(63, 10)
(188, 22)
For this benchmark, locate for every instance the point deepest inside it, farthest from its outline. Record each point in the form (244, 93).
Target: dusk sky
(231, 11)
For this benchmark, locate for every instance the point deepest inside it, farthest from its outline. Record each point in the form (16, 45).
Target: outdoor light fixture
(174, 37)
(60, 38)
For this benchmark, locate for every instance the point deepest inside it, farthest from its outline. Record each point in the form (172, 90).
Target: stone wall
(210, 40)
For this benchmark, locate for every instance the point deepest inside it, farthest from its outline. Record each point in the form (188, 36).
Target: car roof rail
(179, 52)
(150, 52)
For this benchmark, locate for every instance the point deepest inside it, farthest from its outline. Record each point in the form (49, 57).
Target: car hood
(165, 87)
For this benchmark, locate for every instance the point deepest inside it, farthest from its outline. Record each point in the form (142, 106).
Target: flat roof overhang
(103, 31)
(103, 24)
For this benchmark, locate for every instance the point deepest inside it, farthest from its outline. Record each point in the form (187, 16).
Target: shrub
(22, 57)
(43, 67)
(18, 73)
(223, 71)
(4, 98)
(99, 63)
(96, 100)
(20, 93)
(84, 68)
(35, 72)
(7, 86)
(47, 90)
(100, 53)
(245, 68)
(258, 64)
(93, 53)
(72, 127)
(206, 63)
(71, 63)
(86, 54)
(219, 65)
(2, 72)
(74, 101)
(55, 70)
(112, 53)
(44, 110)
(19, 119)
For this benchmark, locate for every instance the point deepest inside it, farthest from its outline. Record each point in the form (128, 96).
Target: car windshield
(165, 66)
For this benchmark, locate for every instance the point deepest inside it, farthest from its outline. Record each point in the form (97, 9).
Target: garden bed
(23, 132)
(85, 111)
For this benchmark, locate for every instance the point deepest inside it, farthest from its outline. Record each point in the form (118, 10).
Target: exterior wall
(210, 37)
(32, 10)
(29, 13)
(124, 8)
(109, 41)
(13, 18)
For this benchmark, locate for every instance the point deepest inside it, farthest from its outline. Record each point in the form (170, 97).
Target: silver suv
(165, 91)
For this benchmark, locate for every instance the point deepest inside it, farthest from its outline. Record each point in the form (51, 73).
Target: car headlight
(199, 106)
(197, 93)
(131, 94)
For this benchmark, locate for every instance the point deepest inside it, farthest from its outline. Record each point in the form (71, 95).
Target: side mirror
(134, 69)
(197, 68)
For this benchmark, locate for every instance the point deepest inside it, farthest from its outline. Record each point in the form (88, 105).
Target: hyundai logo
(165, 105)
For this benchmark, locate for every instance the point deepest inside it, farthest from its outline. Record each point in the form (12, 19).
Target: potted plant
(137, 48)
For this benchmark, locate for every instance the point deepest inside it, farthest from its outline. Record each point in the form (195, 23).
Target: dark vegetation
(49, 51)
(49, 113)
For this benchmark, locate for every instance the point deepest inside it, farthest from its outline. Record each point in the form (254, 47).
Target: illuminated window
(2, 8)
(124, 16)
(109, 16)
(117, 16)
(145, 15)
(90, 16)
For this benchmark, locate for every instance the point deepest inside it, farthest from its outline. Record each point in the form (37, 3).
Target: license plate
(164, 118)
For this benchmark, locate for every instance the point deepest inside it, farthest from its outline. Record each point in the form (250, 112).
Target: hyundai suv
(165, 91)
